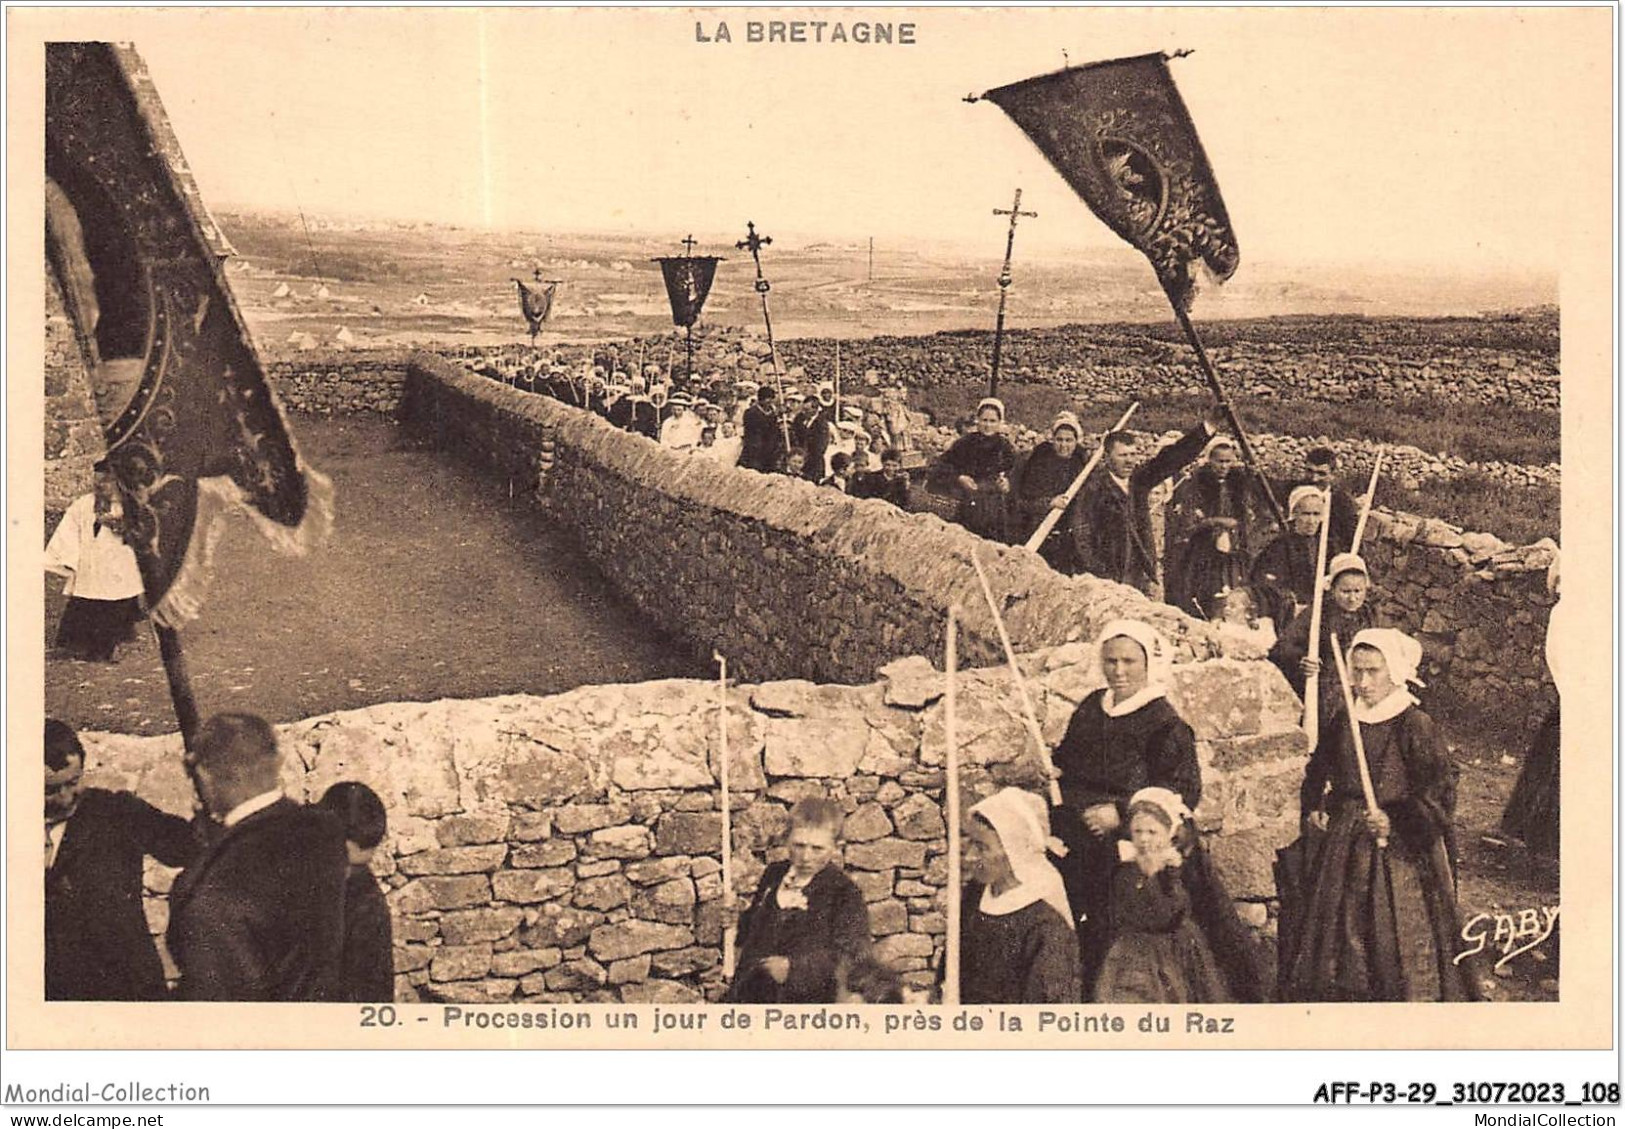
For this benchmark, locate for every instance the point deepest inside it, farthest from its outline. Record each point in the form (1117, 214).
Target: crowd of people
(857, 445)
(1110, 895)
(1227, 557)
(275, 900)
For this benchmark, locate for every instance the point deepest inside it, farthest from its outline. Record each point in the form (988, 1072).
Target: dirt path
(435, 585)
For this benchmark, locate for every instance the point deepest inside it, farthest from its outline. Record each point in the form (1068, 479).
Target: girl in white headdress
(1345, 612)
(1287, 566)
(1122, 738)
(977, 469)
(1158, 954)
(1379, 919)
(1017, 945)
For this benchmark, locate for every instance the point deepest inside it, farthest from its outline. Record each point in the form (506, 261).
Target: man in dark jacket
(1113, 530)
(260, 916)
(763, 448)
(97, 944)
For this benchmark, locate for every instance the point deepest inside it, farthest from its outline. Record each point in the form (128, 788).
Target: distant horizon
(1542, 284)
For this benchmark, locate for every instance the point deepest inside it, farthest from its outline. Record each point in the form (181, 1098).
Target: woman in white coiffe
(1379, 918)
(1017, 943)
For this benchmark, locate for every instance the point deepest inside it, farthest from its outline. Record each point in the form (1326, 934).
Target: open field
(421, 284)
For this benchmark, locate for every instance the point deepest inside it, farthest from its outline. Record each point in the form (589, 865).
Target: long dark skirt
(986, 513)
(1376, 923)
(1532, 812)
(92, 629)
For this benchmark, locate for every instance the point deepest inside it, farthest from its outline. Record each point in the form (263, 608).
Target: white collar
(1146, 695)
(1396, 703)
(1122, 483)
(248, 807)
(1047, 888)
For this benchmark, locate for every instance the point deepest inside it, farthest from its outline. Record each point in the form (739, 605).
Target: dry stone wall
(568, 848)
(1512, 360)
(1480, 608)
(792, 580)
(785, 578)
(338, 382)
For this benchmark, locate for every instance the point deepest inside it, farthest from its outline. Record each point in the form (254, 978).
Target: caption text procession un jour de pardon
(807, 31)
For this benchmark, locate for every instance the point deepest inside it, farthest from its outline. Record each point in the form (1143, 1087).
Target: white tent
(321, 292)
(283, 290)
(301, 340)
(344, 336)
(421, 300)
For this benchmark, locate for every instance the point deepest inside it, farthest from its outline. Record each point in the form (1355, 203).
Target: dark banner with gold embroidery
(536, 306)
(192, 427)
(688, 283)
(1119, 133)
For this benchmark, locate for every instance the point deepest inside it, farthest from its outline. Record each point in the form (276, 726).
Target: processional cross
(1015, 213)
(754, 244)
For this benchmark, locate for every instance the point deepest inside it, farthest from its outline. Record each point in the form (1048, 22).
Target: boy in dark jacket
(369, 963)
(806, 919)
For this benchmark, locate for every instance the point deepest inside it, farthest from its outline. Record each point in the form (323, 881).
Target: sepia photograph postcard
(812, 528)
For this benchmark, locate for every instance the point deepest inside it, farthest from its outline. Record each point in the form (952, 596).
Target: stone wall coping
(920, 552)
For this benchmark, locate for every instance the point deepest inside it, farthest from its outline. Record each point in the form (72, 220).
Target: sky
(1391, 137)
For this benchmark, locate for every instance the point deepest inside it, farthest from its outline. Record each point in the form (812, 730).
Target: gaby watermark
(1513, 934)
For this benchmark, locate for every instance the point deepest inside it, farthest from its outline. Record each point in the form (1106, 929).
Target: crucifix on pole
(754, 244)
(1015, 213)
(688, 331)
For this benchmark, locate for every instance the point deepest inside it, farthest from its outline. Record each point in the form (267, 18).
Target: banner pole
(1365, 508)
(1028, 713)
(950, 968)
(730, 927)
(1311, 682)
(1051, 518)
(1224, 404)
(1354, 731)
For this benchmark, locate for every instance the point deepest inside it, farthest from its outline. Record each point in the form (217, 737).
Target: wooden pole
(1354, 729)
(838, 383)
(950, 967)
(730, 926)
(1224, 403)
(169, 640)
(1021, 686)
(1365, 505)
(1311, 682)
(180, 685)
(1048, 524)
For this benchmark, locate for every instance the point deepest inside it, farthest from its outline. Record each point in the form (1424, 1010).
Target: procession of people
(1105, 895)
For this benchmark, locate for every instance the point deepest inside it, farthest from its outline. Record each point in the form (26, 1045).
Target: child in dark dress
(805, 920)
(369, 961)
(1158, 954)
